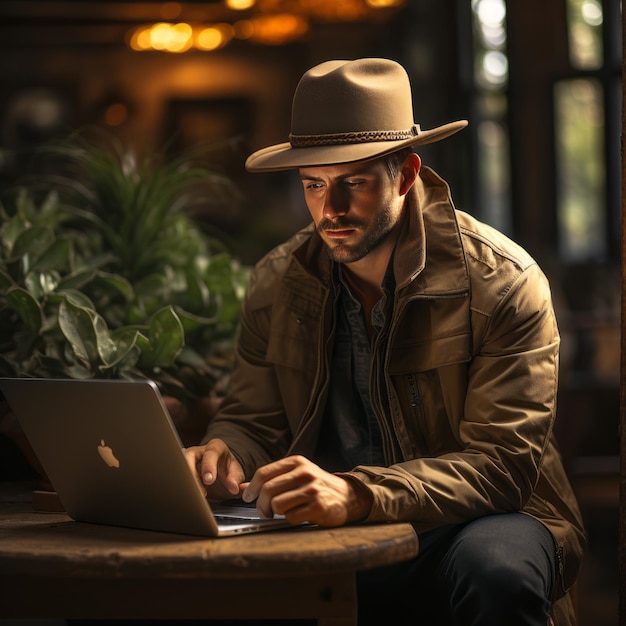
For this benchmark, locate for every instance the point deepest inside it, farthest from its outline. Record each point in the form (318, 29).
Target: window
(584, 26)
(581, 182)
(492, 139)
(580, 86)
(587, 134)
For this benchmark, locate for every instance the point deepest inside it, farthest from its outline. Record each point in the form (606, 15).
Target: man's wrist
(360, 501)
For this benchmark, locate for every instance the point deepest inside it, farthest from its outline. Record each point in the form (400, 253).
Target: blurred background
(539, 81)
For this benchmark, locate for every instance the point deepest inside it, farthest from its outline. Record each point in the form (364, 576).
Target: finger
(301, 515)
(192, 457)
(266, 473)
(216, 453)
(209, 465)
(284, 492)
(233, 476)
(285, 502)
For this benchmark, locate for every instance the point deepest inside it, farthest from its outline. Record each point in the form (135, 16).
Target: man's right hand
(217, 471)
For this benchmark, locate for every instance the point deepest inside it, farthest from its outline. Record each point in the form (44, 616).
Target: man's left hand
(303, 492)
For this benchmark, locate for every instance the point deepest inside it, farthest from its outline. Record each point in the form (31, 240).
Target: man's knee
(499, 564)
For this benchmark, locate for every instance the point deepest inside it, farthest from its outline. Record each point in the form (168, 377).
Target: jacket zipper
(377, 405)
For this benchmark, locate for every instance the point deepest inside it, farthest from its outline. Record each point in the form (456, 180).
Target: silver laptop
(113, 455)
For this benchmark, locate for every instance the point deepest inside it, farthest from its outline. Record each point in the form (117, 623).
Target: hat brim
(283, 156)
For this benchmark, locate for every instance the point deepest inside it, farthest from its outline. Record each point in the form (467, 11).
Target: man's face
(354, 206)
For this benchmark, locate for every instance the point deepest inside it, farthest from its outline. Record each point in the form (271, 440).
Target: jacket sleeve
(502, 423)
(251, 418)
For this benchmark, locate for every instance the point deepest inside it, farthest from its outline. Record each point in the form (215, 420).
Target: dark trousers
(494, 571)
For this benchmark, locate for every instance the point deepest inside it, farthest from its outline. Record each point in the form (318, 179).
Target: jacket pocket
(430, 411)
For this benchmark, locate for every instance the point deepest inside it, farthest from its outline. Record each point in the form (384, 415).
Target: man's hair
(393, 162)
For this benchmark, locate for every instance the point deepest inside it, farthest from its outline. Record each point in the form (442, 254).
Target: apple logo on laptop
(107, 455)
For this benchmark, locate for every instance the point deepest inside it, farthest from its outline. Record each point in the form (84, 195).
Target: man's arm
(502, 426)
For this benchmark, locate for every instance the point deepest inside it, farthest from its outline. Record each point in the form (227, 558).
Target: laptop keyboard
(229, 519)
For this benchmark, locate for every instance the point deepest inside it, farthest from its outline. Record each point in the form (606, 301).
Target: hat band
(366, 136)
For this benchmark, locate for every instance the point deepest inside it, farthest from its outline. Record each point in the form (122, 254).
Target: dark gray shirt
(350, 434)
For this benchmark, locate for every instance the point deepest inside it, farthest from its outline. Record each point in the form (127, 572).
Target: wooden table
(53, 567)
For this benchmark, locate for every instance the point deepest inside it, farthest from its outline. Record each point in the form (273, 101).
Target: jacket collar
(429, 257)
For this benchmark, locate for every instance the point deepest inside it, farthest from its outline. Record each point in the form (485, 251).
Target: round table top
(51, 543)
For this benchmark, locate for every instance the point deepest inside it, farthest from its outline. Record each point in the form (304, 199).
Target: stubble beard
(373, 236)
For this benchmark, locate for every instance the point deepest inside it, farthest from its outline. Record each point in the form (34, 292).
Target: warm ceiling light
(383, 4)
(170, 37)
(214, 37)
(264, 26)
(162, 36)
(240, 5)
(278, 29)
(140, 39)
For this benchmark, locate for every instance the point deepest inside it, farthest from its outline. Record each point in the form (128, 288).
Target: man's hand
(303, 492)
(217, 471)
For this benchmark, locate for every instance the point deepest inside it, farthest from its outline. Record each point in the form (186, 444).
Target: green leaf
(166, 337)
(118, 284)
(75, 297)
(77, 326)
(54, 257)
(50, 366)
(198, 293)
(9, 232)
(41, 284)
(5, 280)
(192, 322)
(77, 279)
(26, 307)
(143, 343)
(149, 285)
(31, 242)
(126, 340)
(107, 348)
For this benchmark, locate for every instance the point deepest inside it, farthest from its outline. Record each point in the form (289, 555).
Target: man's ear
(409, 172)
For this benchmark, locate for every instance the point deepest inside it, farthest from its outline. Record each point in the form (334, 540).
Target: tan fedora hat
(347, 111)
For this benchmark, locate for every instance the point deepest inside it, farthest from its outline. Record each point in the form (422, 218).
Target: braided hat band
(334, 139)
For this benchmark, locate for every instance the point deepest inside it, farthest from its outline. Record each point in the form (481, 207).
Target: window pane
(491, 76)
(581, 210)
(584, 25)
(491, 62)
(494, 163)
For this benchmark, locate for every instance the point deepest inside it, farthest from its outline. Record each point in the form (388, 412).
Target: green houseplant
(105, 274)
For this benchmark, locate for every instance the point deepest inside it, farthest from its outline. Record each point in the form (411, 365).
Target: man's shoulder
(270, 270)
(498, 267)
(277, 260)
(489, 246)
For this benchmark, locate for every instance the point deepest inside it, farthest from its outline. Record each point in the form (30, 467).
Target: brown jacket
(464, 384)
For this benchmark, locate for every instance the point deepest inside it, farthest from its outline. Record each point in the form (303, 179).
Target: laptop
(112, 453)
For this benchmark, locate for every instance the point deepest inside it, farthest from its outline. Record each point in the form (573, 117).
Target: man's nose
(334, 204)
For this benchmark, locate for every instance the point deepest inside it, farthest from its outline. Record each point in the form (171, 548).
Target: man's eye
(354, 183)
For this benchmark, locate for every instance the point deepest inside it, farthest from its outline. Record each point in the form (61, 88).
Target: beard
(372, 235)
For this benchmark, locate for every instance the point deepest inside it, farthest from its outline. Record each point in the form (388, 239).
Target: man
(398, 362)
